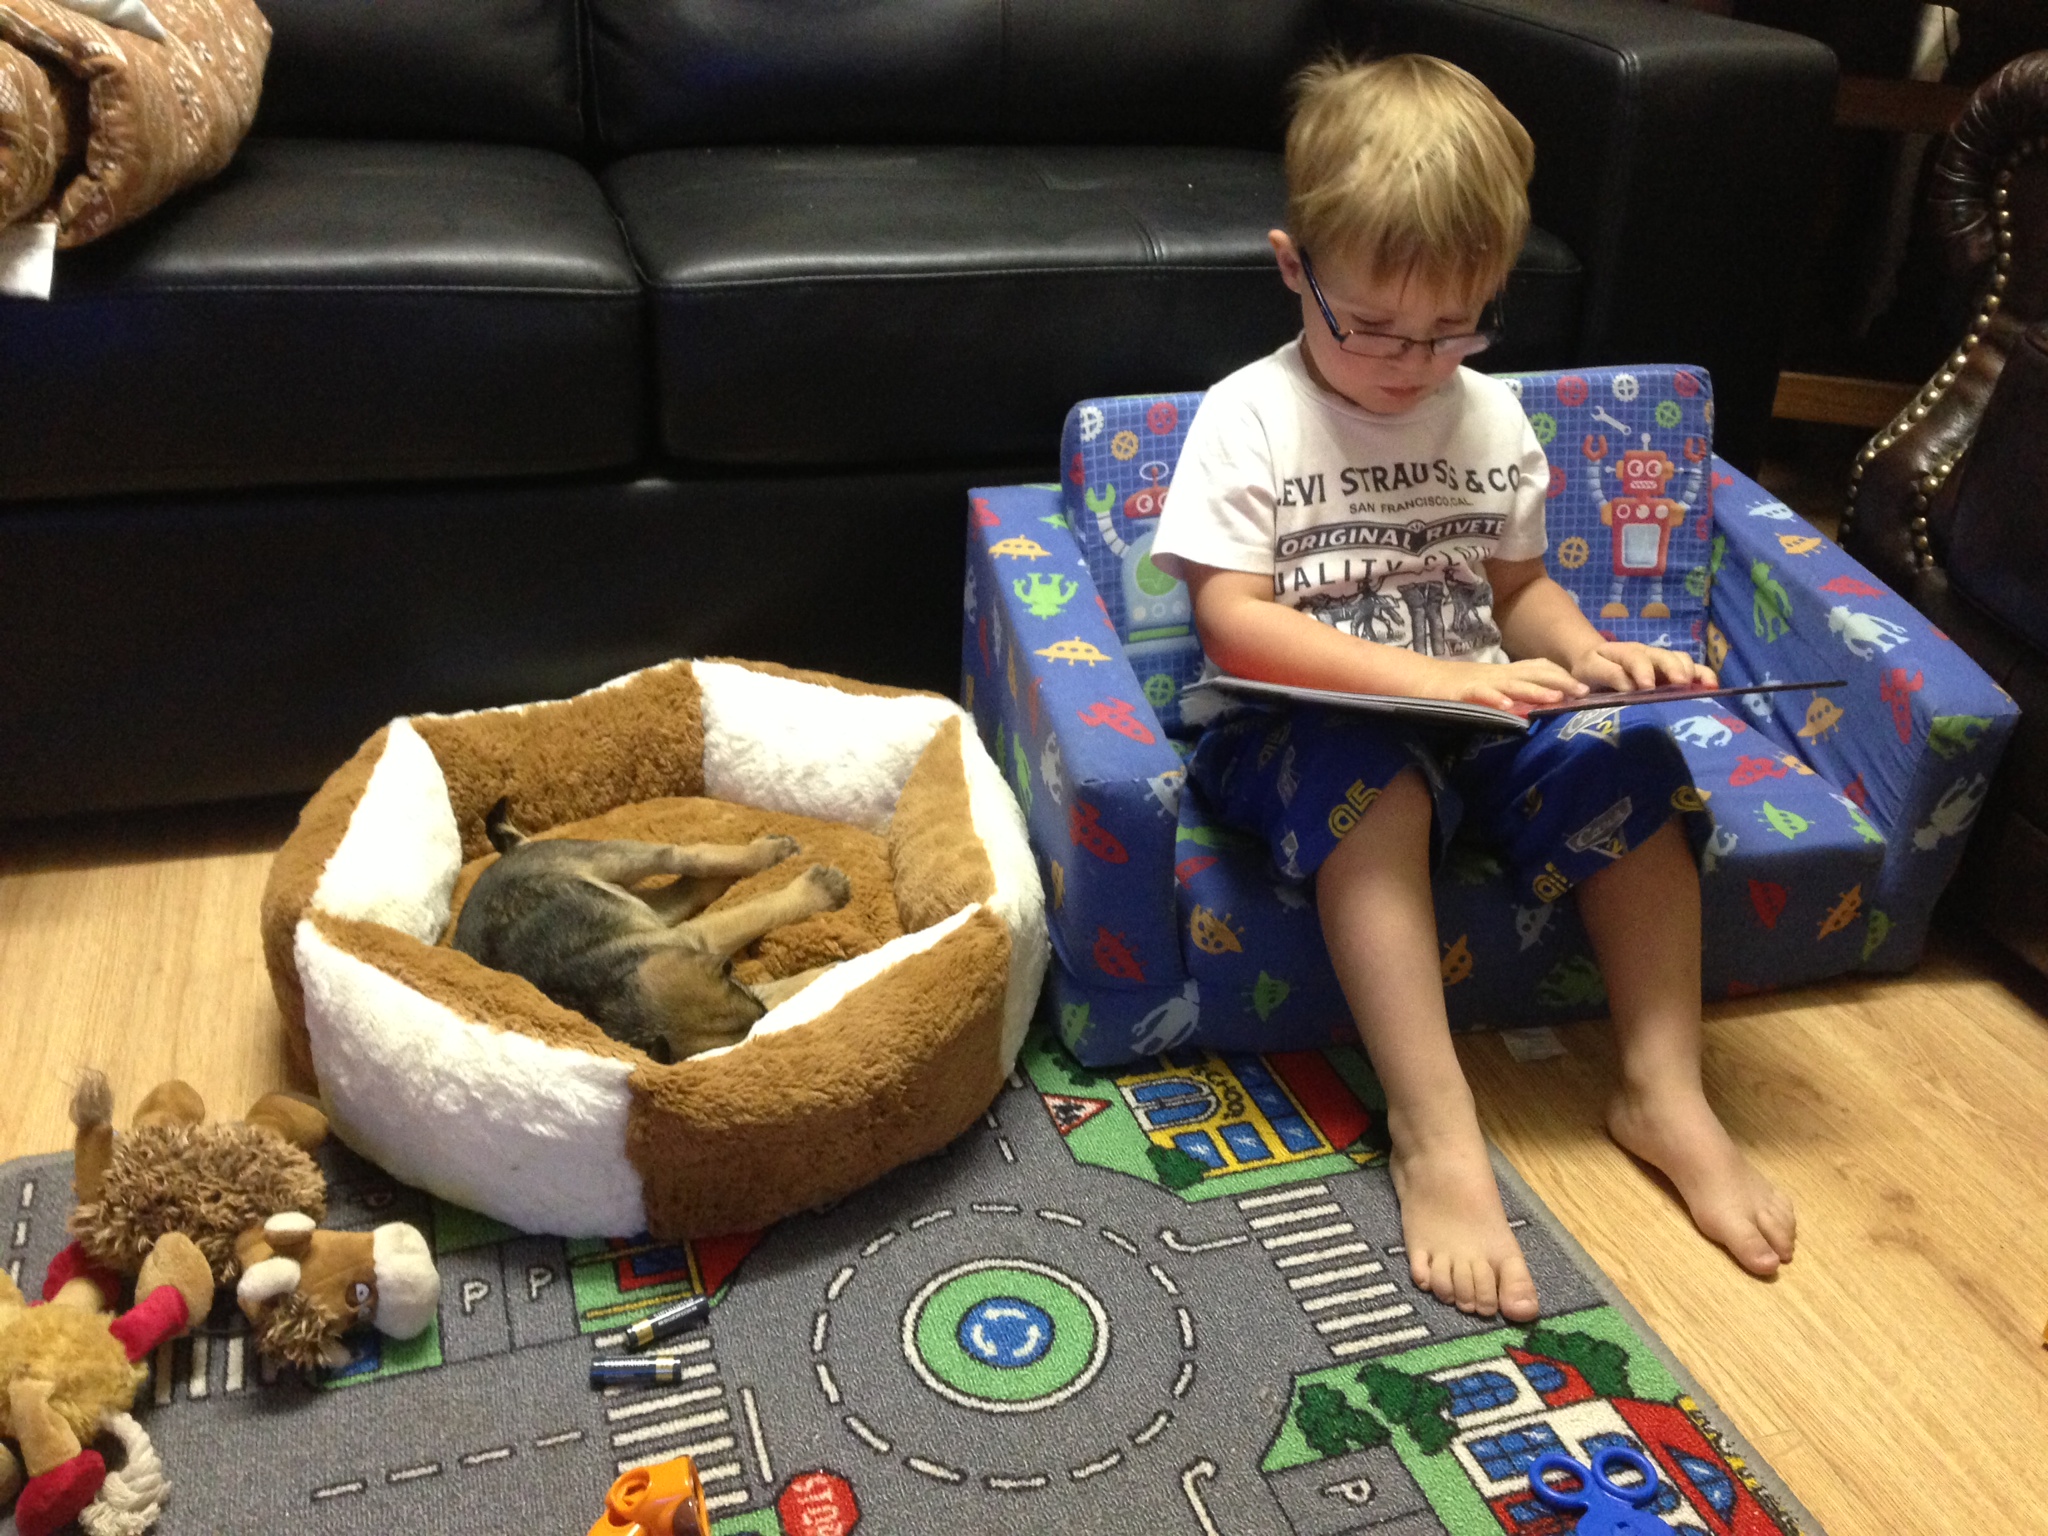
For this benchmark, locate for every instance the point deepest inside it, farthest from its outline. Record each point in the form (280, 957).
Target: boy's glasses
(1387, 347)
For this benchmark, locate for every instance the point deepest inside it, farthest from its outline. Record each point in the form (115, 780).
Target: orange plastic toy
(662, 1500)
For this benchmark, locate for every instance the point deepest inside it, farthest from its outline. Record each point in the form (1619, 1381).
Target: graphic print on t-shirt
(1380, 526)
(1398, 558)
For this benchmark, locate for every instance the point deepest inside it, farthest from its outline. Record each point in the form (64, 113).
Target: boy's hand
(1613, 666)
(1503, 685)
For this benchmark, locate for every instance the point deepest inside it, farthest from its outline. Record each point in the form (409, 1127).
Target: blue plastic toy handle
(1598, 1478)
(1644, 1494)
(1555, 1461)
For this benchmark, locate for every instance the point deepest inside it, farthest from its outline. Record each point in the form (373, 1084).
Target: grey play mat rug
(1171, 1299)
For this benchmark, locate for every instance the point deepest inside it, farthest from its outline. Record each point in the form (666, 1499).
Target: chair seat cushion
(1788, 877)
(956, 300)
(329, 311)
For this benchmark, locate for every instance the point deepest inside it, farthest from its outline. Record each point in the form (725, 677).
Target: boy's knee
(1381, 823)
(1403, 801)
(1406, 795)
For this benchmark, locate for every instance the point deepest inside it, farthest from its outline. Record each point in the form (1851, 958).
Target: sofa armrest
(1068, 721)
(1914, 736)
(1900, 519)
(1676, 154)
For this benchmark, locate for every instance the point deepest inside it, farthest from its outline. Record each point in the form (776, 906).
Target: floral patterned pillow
(129, 15)
(157, 116)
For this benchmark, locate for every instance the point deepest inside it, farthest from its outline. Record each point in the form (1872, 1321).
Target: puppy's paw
(773, 849)
(832, 884)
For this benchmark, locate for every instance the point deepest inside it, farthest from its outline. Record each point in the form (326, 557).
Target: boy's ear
(1288, 257)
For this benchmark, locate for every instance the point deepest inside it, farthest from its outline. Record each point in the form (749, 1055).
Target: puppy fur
(650, 968)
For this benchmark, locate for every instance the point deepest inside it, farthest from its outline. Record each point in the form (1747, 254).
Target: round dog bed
(469, 1083)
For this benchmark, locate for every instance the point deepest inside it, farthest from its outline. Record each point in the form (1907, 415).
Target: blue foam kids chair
(1831, 820)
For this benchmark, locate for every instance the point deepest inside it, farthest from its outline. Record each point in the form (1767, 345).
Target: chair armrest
(1920, 727)
(1676, 154)
(1068, 721)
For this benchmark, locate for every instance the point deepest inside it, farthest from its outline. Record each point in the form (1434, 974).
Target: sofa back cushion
(504, 71)
(673, 73)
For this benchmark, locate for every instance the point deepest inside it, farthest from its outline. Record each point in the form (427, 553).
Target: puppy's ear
(498, 826)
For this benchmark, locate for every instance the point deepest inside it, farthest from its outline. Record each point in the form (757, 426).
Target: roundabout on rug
(1005, 1314)
(1005, 1335)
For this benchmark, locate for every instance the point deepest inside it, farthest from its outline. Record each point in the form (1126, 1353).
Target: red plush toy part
(57, 1497)
(72, 1264)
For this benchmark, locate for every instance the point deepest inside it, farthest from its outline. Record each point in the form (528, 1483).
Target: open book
(1485, 716)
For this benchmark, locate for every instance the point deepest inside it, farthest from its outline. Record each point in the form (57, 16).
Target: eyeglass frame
(1433, 347)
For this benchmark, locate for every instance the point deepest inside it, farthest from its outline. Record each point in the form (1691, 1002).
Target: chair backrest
(1629, 512)
(1117, 457)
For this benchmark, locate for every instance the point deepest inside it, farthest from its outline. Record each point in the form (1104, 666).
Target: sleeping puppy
(643, 966)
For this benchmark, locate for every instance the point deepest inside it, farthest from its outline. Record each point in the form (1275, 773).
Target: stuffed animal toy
(250, 1197)
(69, 1370)
(301, 1289)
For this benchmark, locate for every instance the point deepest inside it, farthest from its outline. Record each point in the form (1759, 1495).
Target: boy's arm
(1537, 617)
(1248, 634)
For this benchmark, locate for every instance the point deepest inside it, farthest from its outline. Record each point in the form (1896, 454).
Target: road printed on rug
(1168, 1298)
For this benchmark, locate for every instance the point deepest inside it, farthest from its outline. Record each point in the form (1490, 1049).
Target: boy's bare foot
(1677, 1131)
(1459, 1246)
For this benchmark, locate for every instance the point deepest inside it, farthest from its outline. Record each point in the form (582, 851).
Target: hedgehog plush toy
(250, 1196)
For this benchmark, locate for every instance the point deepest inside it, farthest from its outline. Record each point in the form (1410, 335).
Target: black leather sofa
(529, 341)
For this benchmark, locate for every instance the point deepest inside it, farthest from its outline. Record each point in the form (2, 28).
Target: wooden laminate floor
(1894, 1374)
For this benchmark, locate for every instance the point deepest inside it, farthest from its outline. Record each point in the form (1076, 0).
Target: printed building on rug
(1410, 1444)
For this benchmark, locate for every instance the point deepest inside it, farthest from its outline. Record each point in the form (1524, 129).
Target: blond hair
(1411, 167)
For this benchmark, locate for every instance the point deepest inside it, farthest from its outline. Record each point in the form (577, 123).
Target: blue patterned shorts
(1569, 798)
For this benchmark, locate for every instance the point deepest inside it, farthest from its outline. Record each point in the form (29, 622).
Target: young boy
(1407, 205)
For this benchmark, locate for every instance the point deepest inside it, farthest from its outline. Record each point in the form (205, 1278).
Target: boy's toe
(1485, 1290)
(1519, 1302)
(1440, 1280)
(1465, 1285)
(1780, 1227)
(1753, 1251)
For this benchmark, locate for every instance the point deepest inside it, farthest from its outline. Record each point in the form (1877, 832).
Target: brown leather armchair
(1949, 502)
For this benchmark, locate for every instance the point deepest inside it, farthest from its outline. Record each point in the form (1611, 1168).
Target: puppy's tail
(498, 827)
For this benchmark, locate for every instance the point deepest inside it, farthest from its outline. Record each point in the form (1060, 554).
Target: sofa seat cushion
(330, 311)
(862, 305)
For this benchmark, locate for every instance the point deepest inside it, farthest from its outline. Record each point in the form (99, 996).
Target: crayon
(669, 1322)
(637, 1370)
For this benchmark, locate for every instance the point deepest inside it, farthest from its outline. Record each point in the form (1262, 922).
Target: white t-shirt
(1377, 525)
